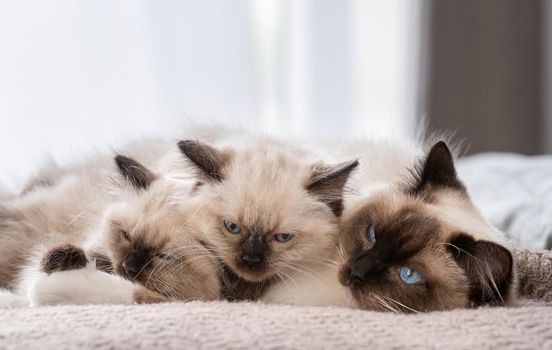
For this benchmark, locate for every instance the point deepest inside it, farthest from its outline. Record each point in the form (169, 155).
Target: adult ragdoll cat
(412, 240)
(422, 245)
(145, 232)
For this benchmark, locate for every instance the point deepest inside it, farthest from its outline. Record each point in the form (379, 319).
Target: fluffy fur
(92, 208)
(261, 221)
(424, 220)
(258, 189)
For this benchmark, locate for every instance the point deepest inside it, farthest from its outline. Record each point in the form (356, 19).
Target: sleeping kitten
(147, 235)
(421, 244)
(273, 211)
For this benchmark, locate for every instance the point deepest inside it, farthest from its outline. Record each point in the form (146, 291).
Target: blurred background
(77, 75)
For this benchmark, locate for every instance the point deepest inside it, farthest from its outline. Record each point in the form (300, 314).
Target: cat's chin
(251, 275)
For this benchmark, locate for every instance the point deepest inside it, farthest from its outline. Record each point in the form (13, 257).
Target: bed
(515, 192)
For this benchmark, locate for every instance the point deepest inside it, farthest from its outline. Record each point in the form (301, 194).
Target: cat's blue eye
(408, 275)
(165, 256)
(371, 234)
(283, 237)
(231, 227)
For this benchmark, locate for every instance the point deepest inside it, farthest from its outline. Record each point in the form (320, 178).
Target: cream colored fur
(264, 183)
(72, 207)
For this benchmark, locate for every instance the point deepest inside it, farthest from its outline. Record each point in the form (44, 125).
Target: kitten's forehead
(159, 216)
(265, 185)
(270, 162)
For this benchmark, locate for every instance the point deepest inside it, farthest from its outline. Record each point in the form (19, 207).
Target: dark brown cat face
(152, 238)
(414, 249)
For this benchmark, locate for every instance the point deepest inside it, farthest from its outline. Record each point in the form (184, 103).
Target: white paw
(83, 286)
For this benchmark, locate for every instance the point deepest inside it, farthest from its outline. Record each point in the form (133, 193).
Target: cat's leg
(89, 286)
(83, 286)
(67, 277)
(68, 257)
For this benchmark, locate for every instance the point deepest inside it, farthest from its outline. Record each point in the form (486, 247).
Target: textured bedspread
(513, 191)
(256, 326)
(219, 325)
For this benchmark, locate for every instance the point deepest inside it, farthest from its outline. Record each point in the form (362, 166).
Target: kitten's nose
(135, 262)
(253, 250)
(251, 259)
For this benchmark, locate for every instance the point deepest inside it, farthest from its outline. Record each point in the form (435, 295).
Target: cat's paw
(142, 295)
(63, 258)
(82, 286)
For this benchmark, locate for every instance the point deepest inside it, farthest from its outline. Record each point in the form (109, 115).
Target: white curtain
(78, 75)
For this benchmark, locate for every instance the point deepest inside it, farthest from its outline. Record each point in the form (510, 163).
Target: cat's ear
(208, 160)
(487, 265)
(327, 184)
(135, 173)
(437, 170)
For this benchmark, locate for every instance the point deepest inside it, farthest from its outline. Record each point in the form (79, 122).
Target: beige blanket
(250, 325)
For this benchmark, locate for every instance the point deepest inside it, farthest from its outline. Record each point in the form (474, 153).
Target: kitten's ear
(487, 265)
(437, 170)
(327, 183)
(207, 159)
(137, 174)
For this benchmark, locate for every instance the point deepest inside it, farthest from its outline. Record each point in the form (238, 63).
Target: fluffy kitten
(274, 208)
(419, 243)
(155, 238)
(147, 235)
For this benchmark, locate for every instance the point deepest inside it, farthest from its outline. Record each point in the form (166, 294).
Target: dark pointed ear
(437, 170)
(208, 160)
(137, 174)
(327, 183)
(487, 265)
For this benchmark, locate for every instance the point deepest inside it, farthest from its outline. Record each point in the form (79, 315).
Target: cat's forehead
(402, 228)
(267, 186)
(268, 163)
(406, 232)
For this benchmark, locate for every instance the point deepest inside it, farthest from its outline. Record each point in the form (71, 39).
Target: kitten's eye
(164, 256)
(231, 227)
(371, 234)
(283, 237)
(408, 275)
(126, 236)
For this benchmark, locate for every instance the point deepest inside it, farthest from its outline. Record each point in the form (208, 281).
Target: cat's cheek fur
(78, 287)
